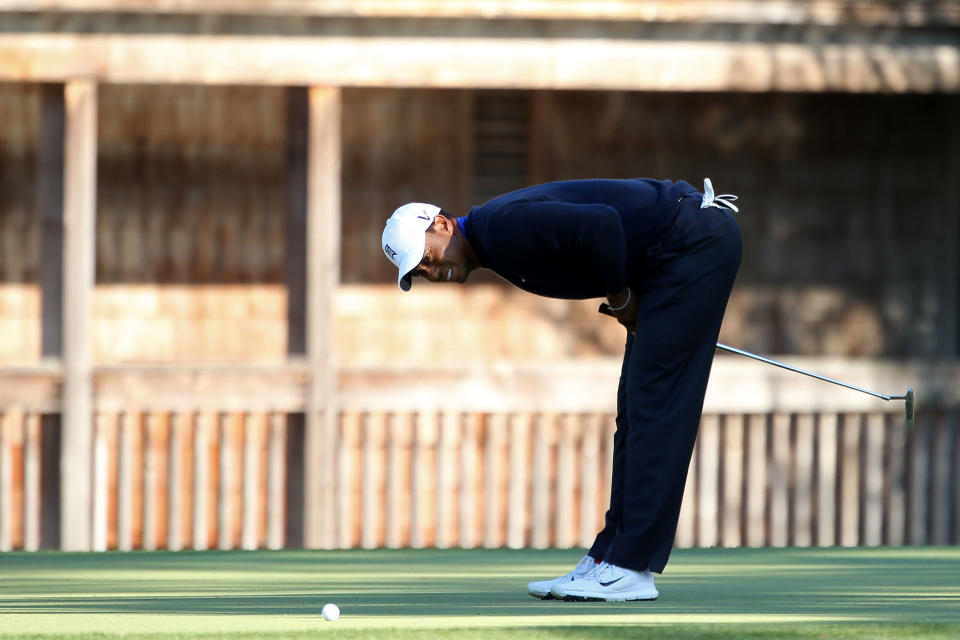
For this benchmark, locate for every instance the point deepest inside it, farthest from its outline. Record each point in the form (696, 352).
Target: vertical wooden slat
(351, 425)
(896, 483)
(79, 220)
(919, 482)
(31, 483)
(398, 426)
(872, 524)
(50, 447)
(150, 482)
(449, 425)
(251, 483)
(100, 486)
(940, 481)
(201, 480)
(125, 480)
(275, 477)
(850, 481)
(803, 481)
(175, 483)
(779, 475)
(373, 428)
(827, 480)
(517, 498)
(732, 480)
(468, 482)
(424, 431)
(224, 494)
(496, 434)
(294, 483)
(686, 535)
(589, 470)
(6, 483)
(708, 478)
(544, 431)
(323, 276)
(756, 479)
(568, 429)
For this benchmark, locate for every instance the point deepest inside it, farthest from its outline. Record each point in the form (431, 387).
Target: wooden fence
(218, 479)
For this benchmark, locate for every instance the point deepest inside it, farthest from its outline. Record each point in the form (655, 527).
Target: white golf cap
(404, 238)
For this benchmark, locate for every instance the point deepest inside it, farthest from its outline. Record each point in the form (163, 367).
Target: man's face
(443, 258)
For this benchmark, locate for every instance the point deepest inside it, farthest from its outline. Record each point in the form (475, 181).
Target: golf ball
(330, 611)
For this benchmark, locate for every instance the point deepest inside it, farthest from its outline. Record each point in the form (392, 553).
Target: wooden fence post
(732, 480)
(803, 515)
(872, 474)
(79, 215)
(756, 529)
(709, 474)
(323, 275)
(849, 510)
(827, 480)
(779, 473)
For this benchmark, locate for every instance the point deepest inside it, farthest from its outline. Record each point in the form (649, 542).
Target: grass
(802, 594)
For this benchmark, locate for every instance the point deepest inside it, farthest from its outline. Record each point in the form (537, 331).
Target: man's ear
(441, 223)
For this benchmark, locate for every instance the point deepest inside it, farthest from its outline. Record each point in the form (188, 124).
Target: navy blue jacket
(576, 238)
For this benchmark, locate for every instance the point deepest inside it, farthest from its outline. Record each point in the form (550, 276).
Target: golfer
(665, 257)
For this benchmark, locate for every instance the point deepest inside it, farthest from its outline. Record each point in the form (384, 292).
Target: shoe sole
(541, 596)
(570, 598)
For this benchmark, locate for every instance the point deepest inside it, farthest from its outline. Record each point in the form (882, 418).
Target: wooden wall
(850, 216)
(850, 203)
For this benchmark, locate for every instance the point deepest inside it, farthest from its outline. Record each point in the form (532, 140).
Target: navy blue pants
(687, 280)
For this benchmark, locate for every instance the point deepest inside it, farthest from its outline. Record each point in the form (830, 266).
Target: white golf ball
(330, 611)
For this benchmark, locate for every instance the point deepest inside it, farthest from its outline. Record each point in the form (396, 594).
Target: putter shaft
(782, 365)
(909, 404)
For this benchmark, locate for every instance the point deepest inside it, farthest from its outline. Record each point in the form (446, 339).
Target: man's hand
(623, 307)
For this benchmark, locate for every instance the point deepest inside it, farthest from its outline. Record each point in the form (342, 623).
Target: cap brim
(408, 263)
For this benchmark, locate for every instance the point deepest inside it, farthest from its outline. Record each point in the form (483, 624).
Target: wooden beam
(184, 387)
(737, 385)
(483, 62)
(828, 12)
(80, 200)
(323, 277)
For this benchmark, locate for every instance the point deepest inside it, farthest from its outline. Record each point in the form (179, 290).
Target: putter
(907, 397)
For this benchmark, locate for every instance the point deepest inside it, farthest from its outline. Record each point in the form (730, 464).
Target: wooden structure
(175, 465)
(317, 49)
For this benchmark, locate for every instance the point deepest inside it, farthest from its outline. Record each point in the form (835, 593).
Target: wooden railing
(198, 457)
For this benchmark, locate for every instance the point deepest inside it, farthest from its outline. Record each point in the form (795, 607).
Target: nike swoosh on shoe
(607, 584)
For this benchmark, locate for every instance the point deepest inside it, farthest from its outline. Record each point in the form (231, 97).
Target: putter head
(908, 407)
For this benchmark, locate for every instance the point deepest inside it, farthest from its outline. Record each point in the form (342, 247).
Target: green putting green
(712, 593)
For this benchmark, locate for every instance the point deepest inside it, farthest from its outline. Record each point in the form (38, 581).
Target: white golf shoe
(542, 588)
(608, 583)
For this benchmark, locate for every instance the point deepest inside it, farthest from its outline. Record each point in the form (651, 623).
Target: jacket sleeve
(592, 232)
